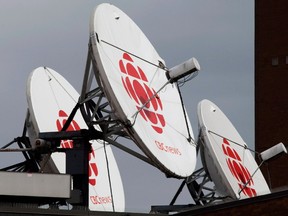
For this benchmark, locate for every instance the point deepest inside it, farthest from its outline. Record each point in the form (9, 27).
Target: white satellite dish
(50, 100)
(130, 73)
(229, 162)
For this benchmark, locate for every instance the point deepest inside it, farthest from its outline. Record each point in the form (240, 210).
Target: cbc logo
(137, 87)
(62, 118)
(238, 170)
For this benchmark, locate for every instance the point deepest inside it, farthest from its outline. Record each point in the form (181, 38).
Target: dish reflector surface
(50, 100)
(229, 163)
(130, 75)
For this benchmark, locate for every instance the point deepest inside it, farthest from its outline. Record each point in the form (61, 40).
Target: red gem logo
(93, 170)
(72, 127)
(137, 87)
(238, 170)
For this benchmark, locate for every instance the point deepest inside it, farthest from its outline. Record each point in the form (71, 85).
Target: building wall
(267, 205)
(271, 84)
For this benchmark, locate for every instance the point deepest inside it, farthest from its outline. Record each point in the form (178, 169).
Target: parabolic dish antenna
(50, 100)
(130, 73)
(229, 162)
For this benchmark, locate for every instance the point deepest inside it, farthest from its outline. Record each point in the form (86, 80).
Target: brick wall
(271, 83)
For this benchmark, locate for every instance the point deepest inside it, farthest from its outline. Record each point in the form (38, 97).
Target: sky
(219, 33)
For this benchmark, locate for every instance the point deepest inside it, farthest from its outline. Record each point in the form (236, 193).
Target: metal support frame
(94, 106)
(31, 162)
(104, 125)
(201, 189)
(97, 112)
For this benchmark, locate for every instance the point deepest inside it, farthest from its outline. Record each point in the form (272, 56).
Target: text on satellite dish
(97, 200)
(168, 149)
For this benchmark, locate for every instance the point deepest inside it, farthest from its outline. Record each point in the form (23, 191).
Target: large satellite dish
(229, 162)
(131, 73)
(50, 100)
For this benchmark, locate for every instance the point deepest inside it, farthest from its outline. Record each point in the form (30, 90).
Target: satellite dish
(227, 159)
(50, 100)
(131, 73)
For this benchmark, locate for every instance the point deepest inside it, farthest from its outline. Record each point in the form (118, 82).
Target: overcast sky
(219, 33)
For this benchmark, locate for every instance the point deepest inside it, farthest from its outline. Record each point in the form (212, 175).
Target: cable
(250, 179)
(161, 66)
(109, 177)
(182, 81)
(48, 71)
(15, 150)
(185, 116)
(241, 145)
(149, 99)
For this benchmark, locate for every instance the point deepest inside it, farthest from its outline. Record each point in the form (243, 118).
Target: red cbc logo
(137, 87)
(238, 170)
(93, 170)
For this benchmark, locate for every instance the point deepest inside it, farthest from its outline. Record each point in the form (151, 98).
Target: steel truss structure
(103, 124)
